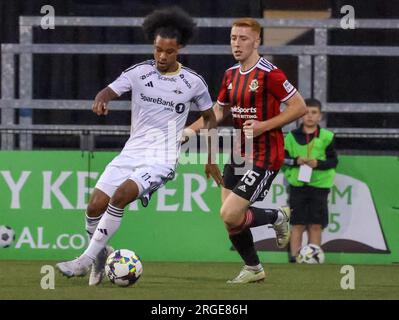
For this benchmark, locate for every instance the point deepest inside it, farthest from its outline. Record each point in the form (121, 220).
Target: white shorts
(148, 177)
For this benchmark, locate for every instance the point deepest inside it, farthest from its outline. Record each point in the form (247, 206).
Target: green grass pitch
(205, 281)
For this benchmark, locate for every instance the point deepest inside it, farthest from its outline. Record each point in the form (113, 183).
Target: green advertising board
(43, 195)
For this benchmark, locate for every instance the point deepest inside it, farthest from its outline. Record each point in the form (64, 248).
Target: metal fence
(312, 77)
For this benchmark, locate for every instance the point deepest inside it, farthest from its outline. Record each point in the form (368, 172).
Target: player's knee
(223, 213)
(229, 217)
(98, 203)
(95, 208)
(122, 197)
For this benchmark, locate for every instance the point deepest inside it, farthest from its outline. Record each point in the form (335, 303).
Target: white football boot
(73, 268)
(247, 275)
(97, 269)
(283, 228)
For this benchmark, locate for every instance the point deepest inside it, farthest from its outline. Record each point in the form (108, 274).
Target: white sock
(108, 225)
(91, 224)
(280, 218)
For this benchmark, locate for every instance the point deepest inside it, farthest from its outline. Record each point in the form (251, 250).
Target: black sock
(262, 216)
(243, 242)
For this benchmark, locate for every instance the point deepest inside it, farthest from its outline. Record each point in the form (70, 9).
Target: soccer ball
(311, 254)
(123, 267)
(7, 236)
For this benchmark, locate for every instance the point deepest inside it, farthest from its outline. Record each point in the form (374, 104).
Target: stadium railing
(312, 78)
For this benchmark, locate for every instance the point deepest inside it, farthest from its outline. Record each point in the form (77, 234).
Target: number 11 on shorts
(146, 176)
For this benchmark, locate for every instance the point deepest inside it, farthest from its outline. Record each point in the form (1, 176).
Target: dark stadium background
(351, 79)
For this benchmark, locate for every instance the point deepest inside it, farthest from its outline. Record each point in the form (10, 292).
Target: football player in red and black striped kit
(251, 92)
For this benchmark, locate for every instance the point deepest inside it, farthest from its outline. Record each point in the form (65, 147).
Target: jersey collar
(249, 70)
(172, 73)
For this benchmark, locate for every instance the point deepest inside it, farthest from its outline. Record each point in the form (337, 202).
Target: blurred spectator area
(82, 76)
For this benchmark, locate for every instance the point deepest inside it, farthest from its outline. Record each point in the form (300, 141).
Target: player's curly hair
(172, 22)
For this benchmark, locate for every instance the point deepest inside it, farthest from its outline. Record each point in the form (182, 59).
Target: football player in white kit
(163, 91)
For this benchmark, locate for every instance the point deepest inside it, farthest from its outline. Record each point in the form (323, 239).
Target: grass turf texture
(207, 281)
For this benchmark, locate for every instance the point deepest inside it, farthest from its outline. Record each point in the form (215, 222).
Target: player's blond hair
(248, 22)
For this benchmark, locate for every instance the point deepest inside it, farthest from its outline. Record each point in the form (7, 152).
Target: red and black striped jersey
(257, 94)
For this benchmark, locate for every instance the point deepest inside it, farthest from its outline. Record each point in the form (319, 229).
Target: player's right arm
(114, 90)
(101, 101)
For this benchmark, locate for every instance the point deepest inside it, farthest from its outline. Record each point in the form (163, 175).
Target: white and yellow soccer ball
(123, 267)
(311, 254)
(7, 236)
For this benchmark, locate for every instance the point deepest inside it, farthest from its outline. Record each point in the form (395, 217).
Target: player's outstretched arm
(101, 101)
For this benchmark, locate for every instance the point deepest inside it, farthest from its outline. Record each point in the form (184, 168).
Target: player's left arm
(295, 108)
(210, 124)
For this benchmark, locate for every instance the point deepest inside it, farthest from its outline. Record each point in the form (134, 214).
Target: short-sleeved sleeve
(223, 96)
(279, 86)
(121, 85)
(202, 100)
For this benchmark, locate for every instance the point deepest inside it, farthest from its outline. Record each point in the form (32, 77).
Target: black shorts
(253, 185)
(309, 205)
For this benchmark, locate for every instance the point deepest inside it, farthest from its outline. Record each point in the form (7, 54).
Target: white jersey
(160, 106)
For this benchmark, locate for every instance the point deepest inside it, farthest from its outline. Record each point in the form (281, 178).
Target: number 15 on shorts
(249, 177)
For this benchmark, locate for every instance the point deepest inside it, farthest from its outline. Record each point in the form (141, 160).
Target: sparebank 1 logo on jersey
(169, 105)
(157, 100)
(180, 107)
